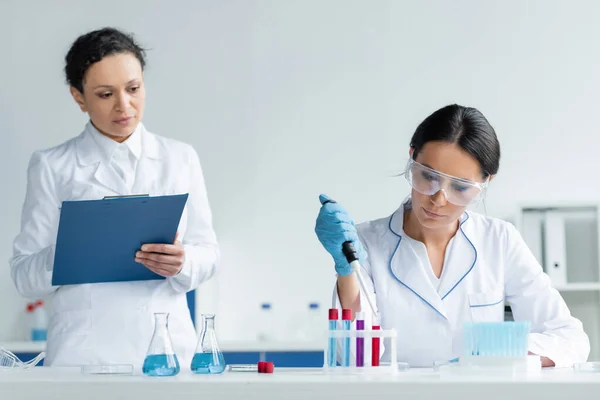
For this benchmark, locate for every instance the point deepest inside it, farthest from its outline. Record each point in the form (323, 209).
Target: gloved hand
(334, 227)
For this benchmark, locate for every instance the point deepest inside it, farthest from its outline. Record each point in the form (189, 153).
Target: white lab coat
(112, 322)
(487, 263)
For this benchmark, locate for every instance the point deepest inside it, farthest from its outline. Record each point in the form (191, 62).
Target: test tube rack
(384, 368)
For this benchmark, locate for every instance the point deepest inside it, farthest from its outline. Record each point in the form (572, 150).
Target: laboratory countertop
(291, 384)
(227, 346)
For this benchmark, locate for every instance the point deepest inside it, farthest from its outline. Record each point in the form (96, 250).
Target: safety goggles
(458, 191)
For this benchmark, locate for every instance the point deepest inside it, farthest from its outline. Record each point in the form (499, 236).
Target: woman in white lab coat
(432, 265)
(114, 155)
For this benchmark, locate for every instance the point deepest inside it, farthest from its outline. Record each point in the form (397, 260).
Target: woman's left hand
(163, 259)
(546, 362)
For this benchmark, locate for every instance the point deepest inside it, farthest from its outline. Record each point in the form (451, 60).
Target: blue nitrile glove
(334, 227)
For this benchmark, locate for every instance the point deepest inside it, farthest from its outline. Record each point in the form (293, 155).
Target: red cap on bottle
(265, 367)
(269, 367)
(30, 307)
(376, 327)
(347, 314)
(333, 314)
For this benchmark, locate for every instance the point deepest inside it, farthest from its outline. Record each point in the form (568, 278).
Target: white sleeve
(33, 248)
(555, 333)
(199, 241)
(370, 319)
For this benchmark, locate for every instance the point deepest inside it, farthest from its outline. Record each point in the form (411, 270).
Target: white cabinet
(565, 240)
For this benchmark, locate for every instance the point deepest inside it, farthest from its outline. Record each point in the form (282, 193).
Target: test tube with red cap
(346, 321)
(332, 350)
(375, 348)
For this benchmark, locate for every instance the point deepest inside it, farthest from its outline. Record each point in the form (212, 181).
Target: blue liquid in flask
(207, 363)
(161, 365)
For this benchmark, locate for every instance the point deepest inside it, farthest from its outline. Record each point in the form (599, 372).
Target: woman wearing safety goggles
(432, 265)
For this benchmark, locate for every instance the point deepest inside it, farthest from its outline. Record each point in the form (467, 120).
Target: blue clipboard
(97, 239)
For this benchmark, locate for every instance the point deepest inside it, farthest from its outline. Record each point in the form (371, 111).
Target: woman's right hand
(334, 227)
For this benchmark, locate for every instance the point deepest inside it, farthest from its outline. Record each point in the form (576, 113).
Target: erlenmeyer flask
(208, 358)
(161, 360)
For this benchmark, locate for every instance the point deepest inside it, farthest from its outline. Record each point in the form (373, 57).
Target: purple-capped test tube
(360, 341)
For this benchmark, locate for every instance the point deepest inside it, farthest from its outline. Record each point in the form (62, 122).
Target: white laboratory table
(291, 384)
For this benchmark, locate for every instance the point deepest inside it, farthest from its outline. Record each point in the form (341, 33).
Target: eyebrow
(112, 87)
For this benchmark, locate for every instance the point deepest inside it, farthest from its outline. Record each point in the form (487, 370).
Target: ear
(411, 151)
(78, 97)
(492, 178)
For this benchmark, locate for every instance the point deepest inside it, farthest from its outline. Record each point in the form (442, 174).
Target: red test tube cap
(333, 314)
(347, 314)
(376, 327)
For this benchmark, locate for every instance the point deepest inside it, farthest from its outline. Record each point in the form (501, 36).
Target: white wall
(287, 99)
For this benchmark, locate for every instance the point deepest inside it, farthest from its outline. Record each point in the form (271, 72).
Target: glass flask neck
(161, 339)
(208, 337)
(208, 322)
(161, 320)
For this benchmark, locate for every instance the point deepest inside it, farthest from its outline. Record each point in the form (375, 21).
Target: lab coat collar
(92, 146)
(407, 267)
(89, 152)
(109, 146)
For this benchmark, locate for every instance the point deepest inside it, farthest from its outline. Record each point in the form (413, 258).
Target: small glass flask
(161, 360)
(208, 358)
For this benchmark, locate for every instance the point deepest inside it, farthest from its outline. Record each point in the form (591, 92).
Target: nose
(439, 199)
(121, 102)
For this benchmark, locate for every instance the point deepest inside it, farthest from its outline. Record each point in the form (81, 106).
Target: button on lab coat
(112, 322)
(487, 265)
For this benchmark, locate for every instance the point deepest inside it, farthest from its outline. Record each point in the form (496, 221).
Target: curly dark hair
(93, 47)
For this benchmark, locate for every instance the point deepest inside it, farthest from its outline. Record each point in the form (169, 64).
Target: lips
(123, 120)
(431, 214)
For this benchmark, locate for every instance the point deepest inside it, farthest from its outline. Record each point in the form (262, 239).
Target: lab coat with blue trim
(112, 322)
(487, 264)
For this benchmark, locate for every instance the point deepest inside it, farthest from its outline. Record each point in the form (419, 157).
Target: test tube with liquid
(360, 341)
(375, 348)
(332, 350)
(346, 322)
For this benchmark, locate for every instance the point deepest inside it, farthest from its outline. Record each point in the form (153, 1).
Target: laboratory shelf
(24, 346)
(229, 346)
(579, 287)
(284, 354)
